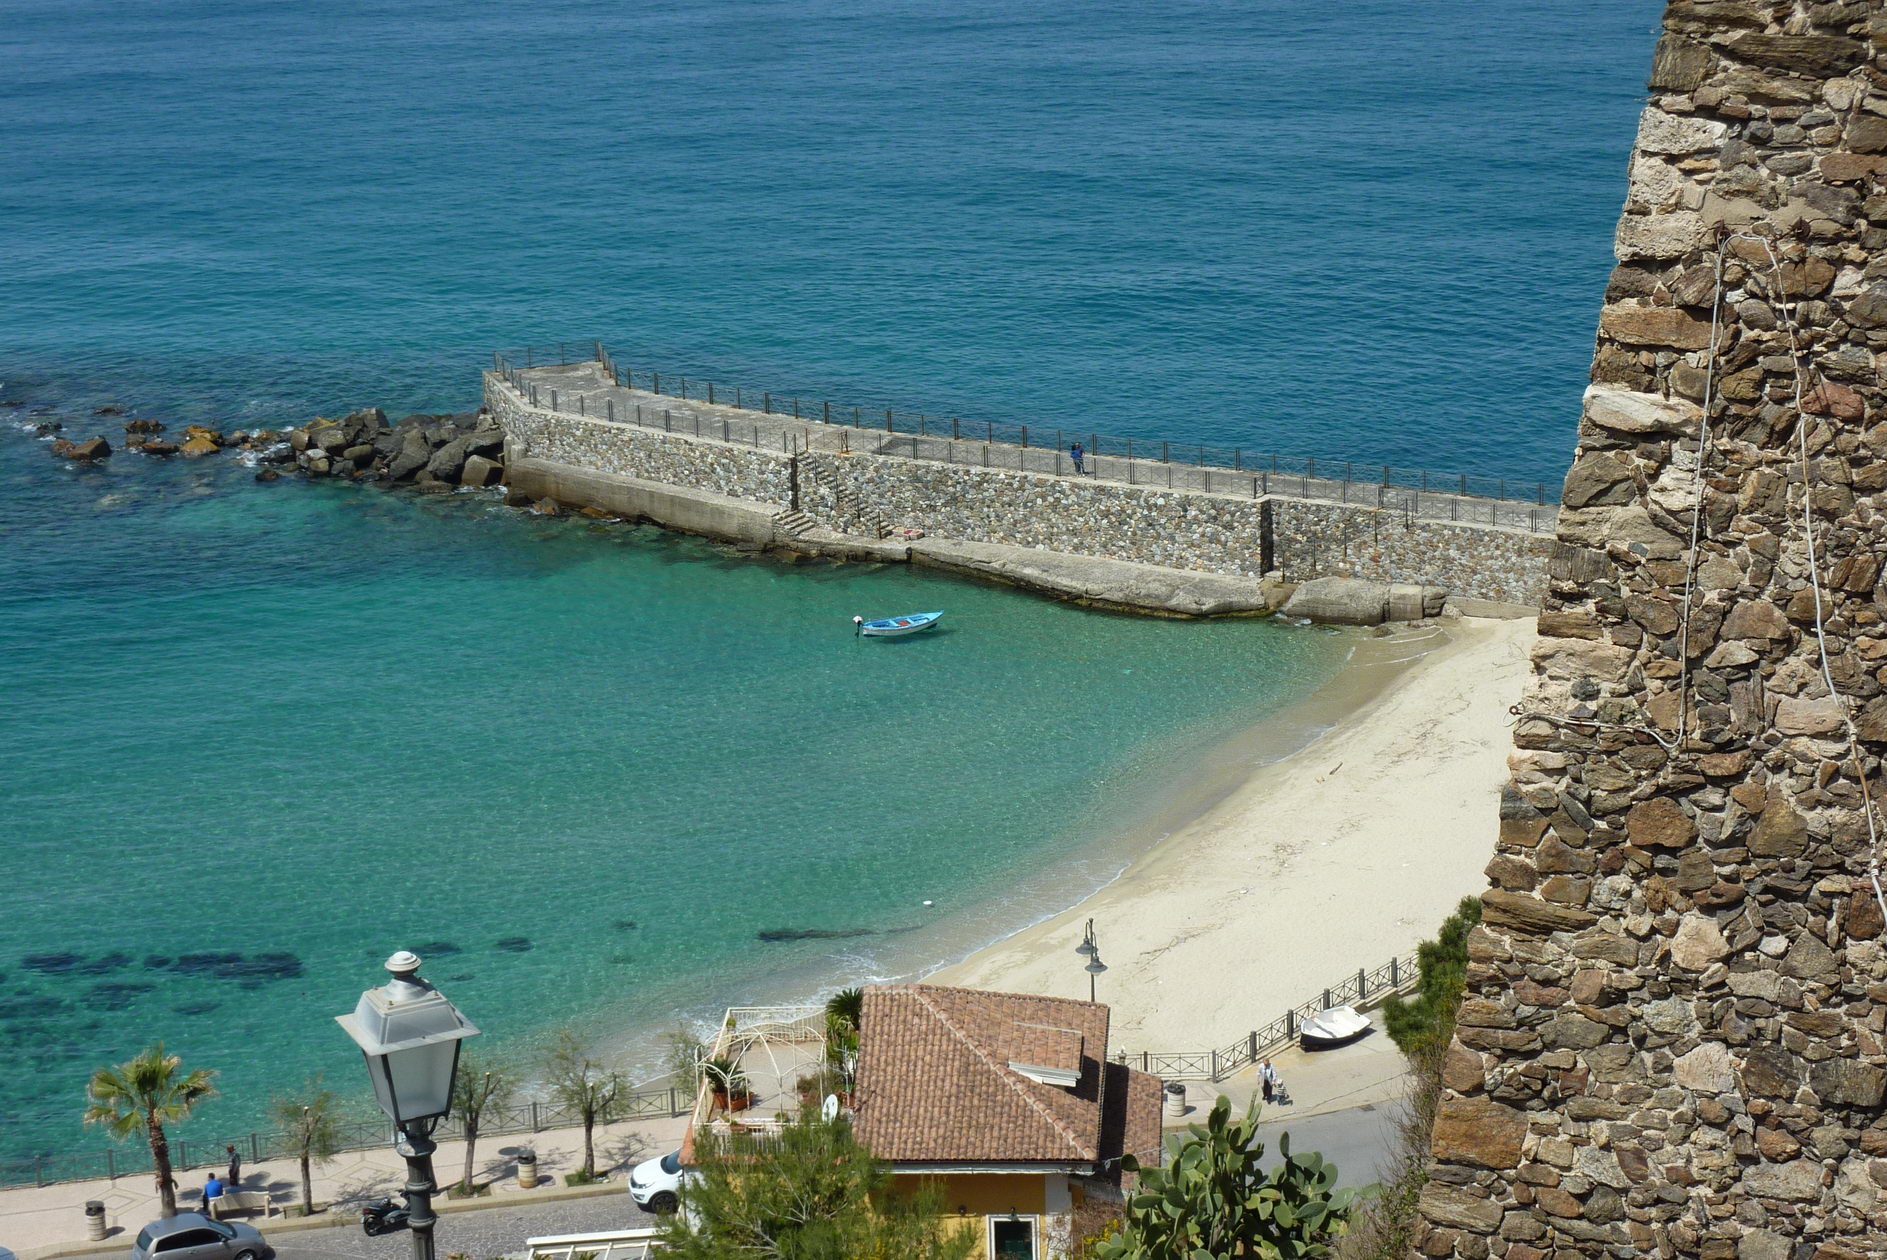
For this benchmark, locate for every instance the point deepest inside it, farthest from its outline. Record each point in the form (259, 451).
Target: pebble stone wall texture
(1672, 1041)
(744, 472)
(1212, 533)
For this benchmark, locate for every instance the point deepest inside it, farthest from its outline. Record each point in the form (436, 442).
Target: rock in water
(198, 447)
(449, 460)
(143, 426)
(159, 448)
(479, 471)
(90, 449)
(415, 453)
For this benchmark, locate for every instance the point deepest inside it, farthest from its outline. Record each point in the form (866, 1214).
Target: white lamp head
(410, 1035)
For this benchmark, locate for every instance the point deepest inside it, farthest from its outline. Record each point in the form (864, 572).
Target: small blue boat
(891, 627)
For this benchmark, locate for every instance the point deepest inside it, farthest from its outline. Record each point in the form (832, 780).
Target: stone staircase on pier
(853, 517)
(793, 523)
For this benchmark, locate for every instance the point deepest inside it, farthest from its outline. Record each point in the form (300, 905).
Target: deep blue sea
(278, 731)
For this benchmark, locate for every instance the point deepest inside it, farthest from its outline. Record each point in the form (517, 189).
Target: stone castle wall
(1674, 1041)
(1182, 529)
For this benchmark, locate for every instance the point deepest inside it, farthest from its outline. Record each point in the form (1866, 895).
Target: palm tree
(147, 1093)
(313, 1124)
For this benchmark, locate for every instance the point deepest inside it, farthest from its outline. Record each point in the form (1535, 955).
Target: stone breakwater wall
(742, 472)
(859, 493)
(1674, 1040)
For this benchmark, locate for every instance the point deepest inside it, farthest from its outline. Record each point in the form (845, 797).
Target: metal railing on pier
(1364, 986)
(769, 416)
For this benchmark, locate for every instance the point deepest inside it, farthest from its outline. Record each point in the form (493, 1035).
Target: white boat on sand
(1335, 1027)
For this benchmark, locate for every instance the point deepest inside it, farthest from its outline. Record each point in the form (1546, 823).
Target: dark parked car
(190, 1236)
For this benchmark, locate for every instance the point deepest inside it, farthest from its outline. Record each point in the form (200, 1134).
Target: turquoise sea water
(255, 737)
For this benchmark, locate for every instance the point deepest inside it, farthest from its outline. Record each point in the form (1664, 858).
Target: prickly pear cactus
(1212, 1201)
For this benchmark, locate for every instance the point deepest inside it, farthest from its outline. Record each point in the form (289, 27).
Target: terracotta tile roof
(935, 1082)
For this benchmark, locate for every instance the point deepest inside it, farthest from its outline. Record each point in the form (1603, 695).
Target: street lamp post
(1090, 949)
(410, 1035)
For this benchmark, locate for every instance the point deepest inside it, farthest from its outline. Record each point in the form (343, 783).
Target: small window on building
(1012, 1238)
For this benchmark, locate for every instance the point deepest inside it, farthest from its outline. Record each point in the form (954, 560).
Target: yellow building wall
(970, 1198)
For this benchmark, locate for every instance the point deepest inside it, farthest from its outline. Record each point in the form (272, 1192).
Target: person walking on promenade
(1268, 1078)
(212, 1191)
(1077, 454)
(233, 1180)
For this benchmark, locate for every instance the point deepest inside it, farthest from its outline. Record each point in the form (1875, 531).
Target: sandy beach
(1340, 856)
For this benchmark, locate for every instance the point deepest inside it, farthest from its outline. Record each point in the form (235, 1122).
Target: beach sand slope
(1341, 856)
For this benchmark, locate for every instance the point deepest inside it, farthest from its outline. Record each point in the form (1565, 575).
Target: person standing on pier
(1077, 454)
(233, 1178)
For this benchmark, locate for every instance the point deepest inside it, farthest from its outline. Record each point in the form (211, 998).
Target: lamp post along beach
(1090, 949)
(410, 1035)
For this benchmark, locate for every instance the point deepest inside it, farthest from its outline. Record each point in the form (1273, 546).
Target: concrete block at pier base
(1098, 580)
(700, 512)
(1346, 601)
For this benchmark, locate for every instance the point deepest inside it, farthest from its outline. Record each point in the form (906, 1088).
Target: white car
(655, 1184)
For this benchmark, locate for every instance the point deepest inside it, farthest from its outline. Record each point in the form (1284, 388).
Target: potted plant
(727, 1083)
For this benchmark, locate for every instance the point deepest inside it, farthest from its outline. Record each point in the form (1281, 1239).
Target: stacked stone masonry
(858, 492)
(1674, 1041)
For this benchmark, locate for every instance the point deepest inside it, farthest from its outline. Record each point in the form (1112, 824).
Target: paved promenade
(36, 1223)
(1367, 1072)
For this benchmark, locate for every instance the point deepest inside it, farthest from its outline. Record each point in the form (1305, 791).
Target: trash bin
(527, 1170)
(95, 1220)
(1175, 1098)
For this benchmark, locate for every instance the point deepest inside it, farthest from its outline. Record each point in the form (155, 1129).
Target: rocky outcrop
(433, 453)
(1673, 1024)
(84, 452)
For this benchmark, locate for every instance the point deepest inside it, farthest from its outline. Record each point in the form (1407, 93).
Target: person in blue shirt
(212, 1191)
(1077, 454)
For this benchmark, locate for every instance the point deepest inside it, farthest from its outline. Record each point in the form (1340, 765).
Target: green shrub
(1424, 1023)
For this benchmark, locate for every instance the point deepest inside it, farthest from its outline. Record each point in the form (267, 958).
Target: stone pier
(1140, 534)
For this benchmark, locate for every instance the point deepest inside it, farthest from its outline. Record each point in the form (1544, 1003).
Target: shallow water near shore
(259, 736)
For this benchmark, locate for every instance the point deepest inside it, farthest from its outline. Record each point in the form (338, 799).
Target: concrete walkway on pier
(40, 1222)
(587, 389)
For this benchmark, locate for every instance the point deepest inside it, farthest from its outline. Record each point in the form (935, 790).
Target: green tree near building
(581, 1083)
(312, 1121)
(479, 1089)
(1423, 1025)
(1213, 1201)
(144, 1095)
(808, 1192)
